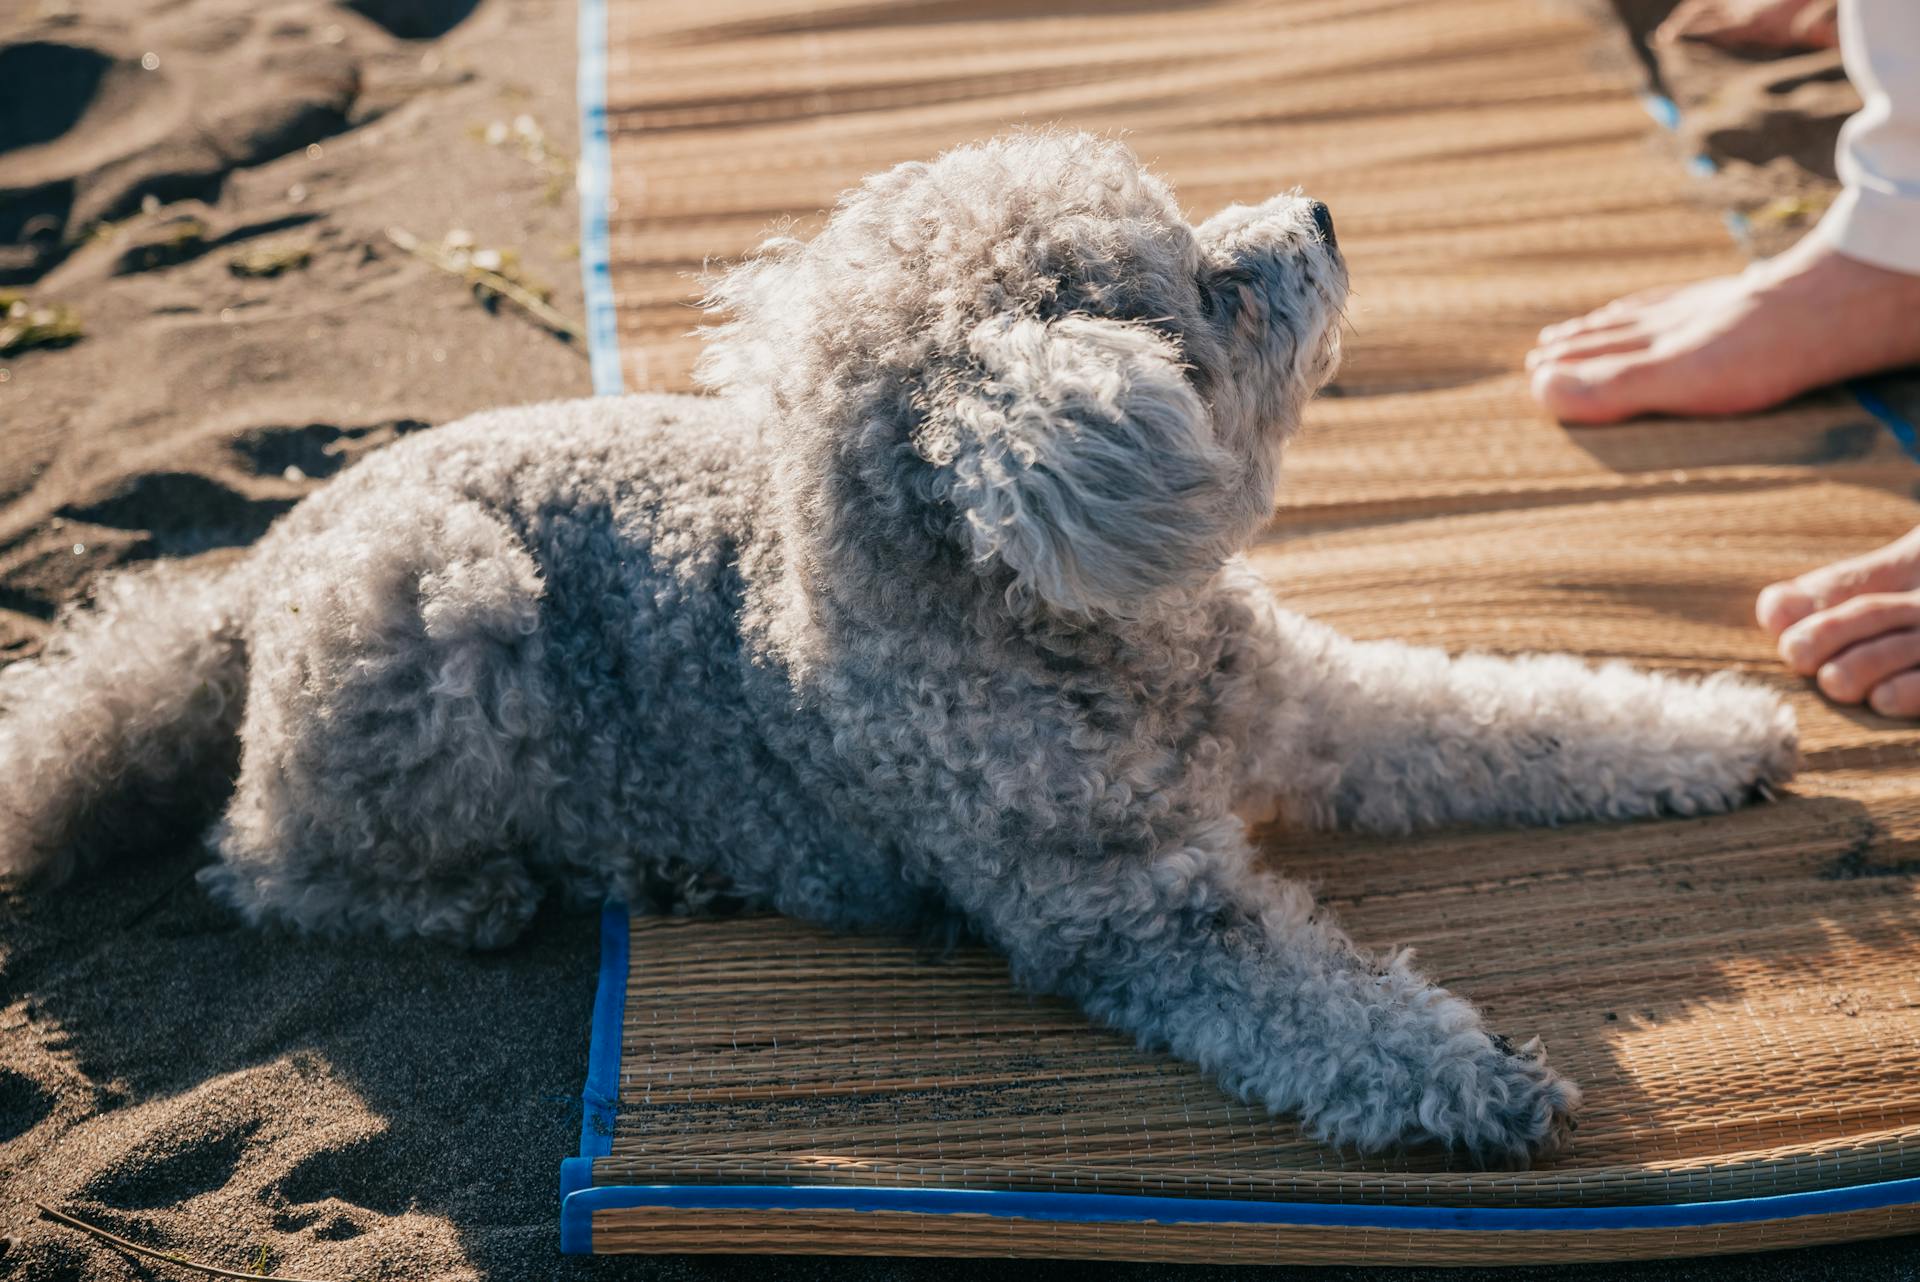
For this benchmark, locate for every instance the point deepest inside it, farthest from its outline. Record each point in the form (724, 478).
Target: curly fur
(931, 614)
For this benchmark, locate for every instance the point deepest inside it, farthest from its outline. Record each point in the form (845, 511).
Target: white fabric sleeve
(1877, 217)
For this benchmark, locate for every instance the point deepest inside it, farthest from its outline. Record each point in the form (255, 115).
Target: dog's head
(1022, 357)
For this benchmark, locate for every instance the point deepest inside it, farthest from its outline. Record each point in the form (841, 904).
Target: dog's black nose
(1323, 219)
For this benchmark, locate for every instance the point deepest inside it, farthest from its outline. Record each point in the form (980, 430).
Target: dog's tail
(126, 726)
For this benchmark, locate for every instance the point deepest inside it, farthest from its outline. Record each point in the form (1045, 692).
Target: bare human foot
(1765, 26)
(1854, 626)
(1733, 344)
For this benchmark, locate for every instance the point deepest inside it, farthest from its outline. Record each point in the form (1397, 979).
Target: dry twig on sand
(271, 259)
(25, 324)
(211, 1270)
(485, 280)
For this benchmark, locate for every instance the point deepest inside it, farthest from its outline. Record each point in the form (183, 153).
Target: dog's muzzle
(1323, 222)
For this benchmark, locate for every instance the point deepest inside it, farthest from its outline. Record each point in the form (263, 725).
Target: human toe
(1621, 311)
(1781, 605)
(1807, 646)
(1897, 696)
(1560, 331)
(1628, 309)
(1605, 389)
(1854, 673)
(1587, 345)
(1891, 569)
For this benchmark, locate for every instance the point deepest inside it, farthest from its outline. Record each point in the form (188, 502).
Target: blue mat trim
(600, 1097)
(1889, 417)
(1666, 112)
(580, 1198)
(576, 1216)
(596, 170)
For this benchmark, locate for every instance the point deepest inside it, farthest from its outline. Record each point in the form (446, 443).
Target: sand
(360, 1110)
(357, 1111)
(171, 426)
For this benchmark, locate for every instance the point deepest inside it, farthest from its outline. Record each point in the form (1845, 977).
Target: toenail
(1882, 700)
(1829, 680)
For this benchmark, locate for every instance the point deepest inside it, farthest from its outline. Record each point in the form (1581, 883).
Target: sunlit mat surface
(1740, 997)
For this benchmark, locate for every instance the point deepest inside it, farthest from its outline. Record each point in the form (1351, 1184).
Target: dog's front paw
(1734, 742)
(1499, 1106)
(1513, 1110)
(1433, 1075)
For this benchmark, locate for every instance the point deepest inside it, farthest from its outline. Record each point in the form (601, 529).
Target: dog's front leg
(1387, 737)
(1196, 950)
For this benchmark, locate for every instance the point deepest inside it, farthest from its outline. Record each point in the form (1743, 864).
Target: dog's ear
(1078, 454)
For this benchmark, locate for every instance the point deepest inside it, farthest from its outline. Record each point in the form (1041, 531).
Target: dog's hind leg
(1388, 738)
(395, 749)
(124, 729)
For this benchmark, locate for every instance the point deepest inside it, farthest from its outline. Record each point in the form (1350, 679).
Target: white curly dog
(932, 614)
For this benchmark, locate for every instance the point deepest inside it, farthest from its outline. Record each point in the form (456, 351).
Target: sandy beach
(208, 188)
(354, 1111)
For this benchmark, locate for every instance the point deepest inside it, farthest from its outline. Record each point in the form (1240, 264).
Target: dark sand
(355, 1111)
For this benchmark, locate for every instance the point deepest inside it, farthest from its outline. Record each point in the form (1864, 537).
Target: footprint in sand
(191, 231)
(272, 1149)
(24, 1104)
(314, 451)
(415, 19)
(94, 120)
(52, 91)
(325, 1225)
(224, 489)
(173, 1163)
(182, 512)
(66, 110)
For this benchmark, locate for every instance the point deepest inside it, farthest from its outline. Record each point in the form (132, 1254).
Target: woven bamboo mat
(1739, 996)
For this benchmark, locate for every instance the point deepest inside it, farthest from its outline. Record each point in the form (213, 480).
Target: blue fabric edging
(576, 1216)
(1664, 110)
(596, 168)
(1667, 112)
(600, 1097)
(1902, 430)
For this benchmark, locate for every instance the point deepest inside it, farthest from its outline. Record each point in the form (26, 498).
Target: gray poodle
(932, 615)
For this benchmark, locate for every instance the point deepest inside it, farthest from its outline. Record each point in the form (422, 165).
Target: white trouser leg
(1877, 218)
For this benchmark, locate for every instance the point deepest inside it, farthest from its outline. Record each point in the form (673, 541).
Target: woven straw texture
(889, 1233)
(1739, 996)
